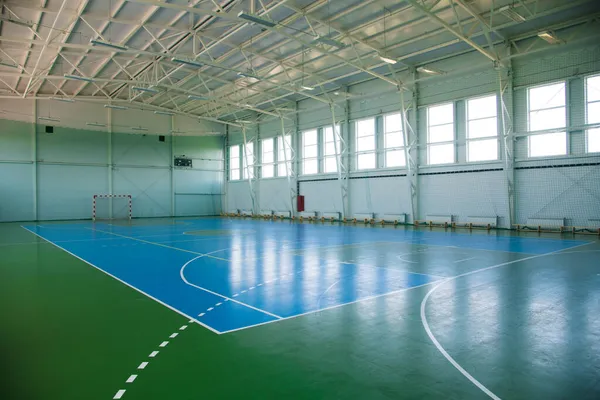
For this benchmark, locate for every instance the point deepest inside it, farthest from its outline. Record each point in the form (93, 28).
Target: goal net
(111, 207)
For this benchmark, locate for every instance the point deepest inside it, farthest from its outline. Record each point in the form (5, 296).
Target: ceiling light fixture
(108, 44)
(187, 62)
(17, 22)
(387, 60)
(97, 124)
(549, 37)
(79, 78)
(194, 97)
(163, 113)
(63, 99)
(257, 20)
(510, 12)
(50, 119)
(114, 107)
(430, 71)
(247, 75)
(144, 89)
(242, 121)
(307, 87)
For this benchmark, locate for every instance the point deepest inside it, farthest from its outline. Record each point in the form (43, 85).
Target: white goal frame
(108, 196)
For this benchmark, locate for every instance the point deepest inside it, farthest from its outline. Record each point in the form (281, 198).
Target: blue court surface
(233, 274)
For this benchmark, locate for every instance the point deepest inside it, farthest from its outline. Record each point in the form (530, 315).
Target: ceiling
(164, 52)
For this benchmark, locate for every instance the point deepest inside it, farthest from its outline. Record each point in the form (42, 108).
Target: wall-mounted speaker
(49, 129)
(161, 138)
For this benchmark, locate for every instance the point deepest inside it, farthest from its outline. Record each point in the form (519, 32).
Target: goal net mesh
(111, 207)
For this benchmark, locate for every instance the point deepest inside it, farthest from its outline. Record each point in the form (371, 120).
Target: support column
(410, 151)
(505, 97)
(289, 168)
(171, 166)
(110, 161)
(250, 175)
(341, 165)
(35, 163)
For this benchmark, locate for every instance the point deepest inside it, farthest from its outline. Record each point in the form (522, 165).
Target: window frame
(587, 104)
(304, 146)
(388, 149)
(442, 143)
(548, 131)
(238, 158)
(248, 171)
(357, 152)
(262, 158)
(337, 148)
(490, 138)
(282, 163)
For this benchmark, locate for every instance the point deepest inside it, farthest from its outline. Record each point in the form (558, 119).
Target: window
(393, 141)
(268, 169)
(365, 143)
(310, 152)
(482, 129)
(440, 134)
(547, 110)
(593, 113)
(248, 158)
(284, 152)
(329, 149)
(234, 163)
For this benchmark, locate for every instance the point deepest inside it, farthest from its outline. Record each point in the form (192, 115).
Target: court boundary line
(127, 284)
(184, 279)
(437, 344)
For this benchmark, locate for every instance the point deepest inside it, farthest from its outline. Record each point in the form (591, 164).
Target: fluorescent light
(138, 128)
(510, 12)
(241, 121)
(63, 99)
(307, 87)
(115, 107)
(108, 44)
(96, 124)
(387, 59)
(49, 119)
(247, 75)
(429, 70)
(549, 37)
(194, 97)
(187, 62)
(79, 78)
(9, 65)
(256, 20)
(163, 113)
(143, 89)
(17, 22)
(330, 42)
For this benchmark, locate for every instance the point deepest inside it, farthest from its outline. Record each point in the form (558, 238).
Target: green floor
(527, 330)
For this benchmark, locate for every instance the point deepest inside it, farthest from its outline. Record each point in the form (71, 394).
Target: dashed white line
(143, 365)
(235, 295)
(243, 291)
(119, 394)
(174, 335)
(131, 379)
(153, 354)
(183, 328)
(218, 304)
(260, 284)
(252, 288)
(210, 309)
(201, 314)
(163, 344)
(226, 299)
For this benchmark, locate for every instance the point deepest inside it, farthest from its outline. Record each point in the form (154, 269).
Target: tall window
(547, 110)
(365, 143)
(249, 158)
(482, 129)
(393, 141)
(440, 134)
(310, 152)
(234, 163)
(593, 112)
(284, 152)
(268, 160)
(332, 143)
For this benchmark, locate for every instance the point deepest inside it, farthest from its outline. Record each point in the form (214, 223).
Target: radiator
(246, 212)
(234, 211)
(439, 218)
(401, 218)
(333, 214)
(284, 214)
(485, 221)
(363, 216)
(266, 212)
(546, 222)
(306, 214)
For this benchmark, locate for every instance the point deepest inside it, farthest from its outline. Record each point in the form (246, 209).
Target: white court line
(125, 283)
(131, 379)
(163, 245)
(143, 365)
(435, 341)
(163, 344)
(183, 278)
(464, 259)
(153, 354)
(119, 394)
(173, 335)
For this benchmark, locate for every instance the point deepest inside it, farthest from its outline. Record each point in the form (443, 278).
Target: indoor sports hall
(299, 199)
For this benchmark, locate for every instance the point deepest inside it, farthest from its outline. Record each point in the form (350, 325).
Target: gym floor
(222, 308)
